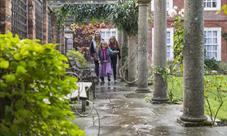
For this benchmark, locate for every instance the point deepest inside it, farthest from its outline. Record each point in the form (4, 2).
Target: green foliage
(125, 16)
(223, 67)
(215, 92)
(33, 90)
(83, 13)
(76, 56)
(224, 35)
(174, 83)
(224, 9)
(211, 64)
(175, 88)
(178, 40)
(161, 71)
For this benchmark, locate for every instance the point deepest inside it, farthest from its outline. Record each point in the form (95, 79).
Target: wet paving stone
(126, 113)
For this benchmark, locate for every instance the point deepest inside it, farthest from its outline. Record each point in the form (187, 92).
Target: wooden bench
(83, 93)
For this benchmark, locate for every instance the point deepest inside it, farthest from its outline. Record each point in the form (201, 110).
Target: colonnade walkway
(122, 112)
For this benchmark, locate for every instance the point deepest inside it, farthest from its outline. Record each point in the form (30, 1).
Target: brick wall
(211, 19)
(6, 22)
(5, 16)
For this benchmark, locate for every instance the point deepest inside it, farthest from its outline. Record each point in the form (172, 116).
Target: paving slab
(123, 112)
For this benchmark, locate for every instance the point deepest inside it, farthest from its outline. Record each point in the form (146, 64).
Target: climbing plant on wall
(124, 14)
(84, 32)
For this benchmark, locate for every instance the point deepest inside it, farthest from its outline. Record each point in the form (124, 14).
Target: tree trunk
(132, 61)
(159, 53)
(193, 54)
(142, 48)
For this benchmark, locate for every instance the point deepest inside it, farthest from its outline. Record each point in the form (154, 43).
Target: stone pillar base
(199, 123)
(142, 90)
(159, 100)
(132, 84)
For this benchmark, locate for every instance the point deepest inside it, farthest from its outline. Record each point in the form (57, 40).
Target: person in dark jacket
(94, 48)
(113, 44)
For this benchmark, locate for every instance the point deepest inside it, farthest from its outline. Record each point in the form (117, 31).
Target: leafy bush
(33, 90)
(211, 64)
(125, 16)
(223, 67)
(215, 89)
(77, 57)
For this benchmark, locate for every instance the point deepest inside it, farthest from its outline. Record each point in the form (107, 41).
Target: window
(107, 33)
(169, 43)
(169, 5)
(212, 4)
(19, 17)
(212, 43)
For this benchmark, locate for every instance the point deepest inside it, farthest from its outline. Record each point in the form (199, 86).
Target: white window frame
(109, 30)
(218, 29)
(167, 8)
(171, 30)
(212, 8)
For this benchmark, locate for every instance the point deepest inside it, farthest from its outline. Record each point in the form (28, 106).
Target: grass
(175, 87)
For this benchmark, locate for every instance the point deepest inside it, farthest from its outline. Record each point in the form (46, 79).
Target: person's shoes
(102, 83)
(115, 81)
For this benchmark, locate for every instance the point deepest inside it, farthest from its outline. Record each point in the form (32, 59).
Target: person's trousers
(96, 68)
(114, 66)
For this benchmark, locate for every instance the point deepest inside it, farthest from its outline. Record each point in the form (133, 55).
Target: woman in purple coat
(105, 61)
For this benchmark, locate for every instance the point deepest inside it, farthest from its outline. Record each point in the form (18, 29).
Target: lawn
(212, 83)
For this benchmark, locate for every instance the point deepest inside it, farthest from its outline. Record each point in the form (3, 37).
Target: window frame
(218, 29)
(171, 30)
(108, 30)
(212, 8)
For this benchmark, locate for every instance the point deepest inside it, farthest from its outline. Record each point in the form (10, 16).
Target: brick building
(215, 25)
(29, 19)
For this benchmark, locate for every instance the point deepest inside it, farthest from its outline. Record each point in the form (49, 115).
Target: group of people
(105, 57)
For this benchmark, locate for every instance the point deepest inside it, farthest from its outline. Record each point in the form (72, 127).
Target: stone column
(193, 63)
(132, 61)
(159, 53)
(124, 55)
(142, 47)
(31, 19)
(5, 16)
(45, 21)
(120, 41)
(149, 35)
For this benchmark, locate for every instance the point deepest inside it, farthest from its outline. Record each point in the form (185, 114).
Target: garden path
(126, 113)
